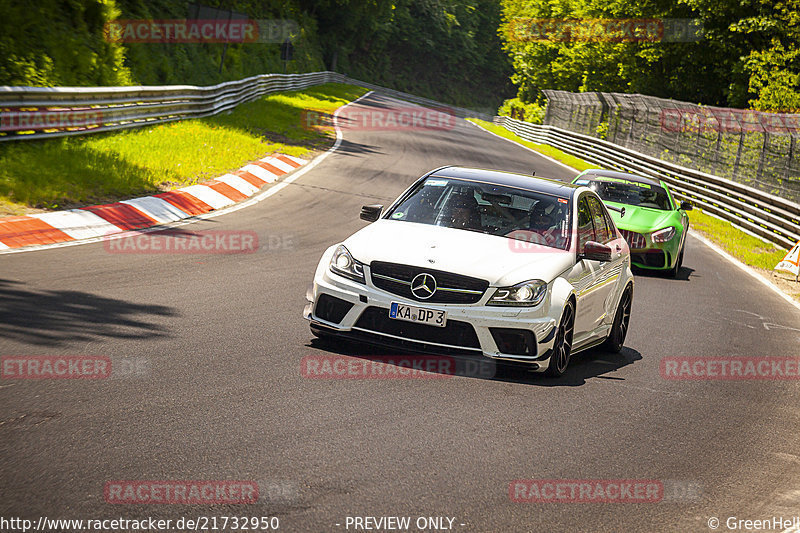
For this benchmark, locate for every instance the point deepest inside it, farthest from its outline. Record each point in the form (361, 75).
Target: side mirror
(686, 206)
(371, 213)
(594, 251)
(620, 210)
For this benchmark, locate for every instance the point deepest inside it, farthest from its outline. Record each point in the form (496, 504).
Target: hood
(641, 219)
(499, 260)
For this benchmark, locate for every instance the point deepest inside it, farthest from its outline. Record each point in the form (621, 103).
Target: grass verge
(750, 250)
(544, 149)
(74, 171)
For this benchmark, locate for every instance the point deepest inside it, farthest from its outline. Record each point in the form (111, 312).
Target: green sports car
(654, 225)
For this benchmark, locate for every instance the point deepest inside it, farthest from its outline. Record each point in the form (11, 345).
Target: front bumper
(339, 306)
(656, 255)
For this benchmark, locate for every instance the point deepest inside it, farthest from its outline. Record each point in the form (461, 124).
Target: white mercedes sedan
(513, 267)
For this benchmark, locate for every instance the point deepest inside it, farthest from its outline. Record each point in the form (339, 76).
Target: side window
(601, 223)
(585, 227)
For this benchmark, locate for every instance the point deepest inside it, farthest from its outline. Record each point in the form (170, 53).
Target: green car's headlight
(525, 294)
(342, 263)
(663, 235)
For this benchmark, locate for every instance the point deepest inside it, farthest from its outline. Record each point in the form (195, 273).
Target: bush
(516, 108)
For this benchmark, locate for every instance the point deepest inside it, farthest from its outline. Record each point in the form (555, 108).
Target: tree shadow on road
(56, 317)
(353, 148)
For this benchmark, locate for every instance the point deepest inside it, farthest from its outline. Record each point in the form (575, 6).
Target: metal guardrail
(117, 108)
(755, 148)
(771, 217)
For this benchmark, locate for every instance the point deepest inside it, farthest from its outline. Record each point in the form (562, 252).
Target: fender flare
(561, 293)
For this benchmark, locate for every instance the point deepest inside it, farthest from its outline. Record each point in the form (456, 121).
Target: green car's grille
(635, 240)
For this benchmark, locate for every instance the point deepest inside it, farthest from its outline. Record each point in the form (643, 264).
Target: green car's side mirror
(686, 206)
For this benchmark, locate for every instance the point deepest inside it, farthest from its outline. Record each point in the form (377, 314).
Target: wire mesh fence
(754, 148)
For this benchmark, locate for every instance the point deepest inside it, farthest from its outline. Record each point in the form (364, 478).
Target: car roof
(511, 179)
(621, 175)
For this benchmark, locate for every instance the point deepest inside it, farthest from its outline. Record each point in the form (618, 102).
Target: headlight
(526, 294)
(342, 263)
(663, 235)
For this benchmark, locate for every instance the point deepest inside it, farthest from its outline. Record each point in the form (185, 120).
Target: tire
(622, 319)
(562, 346)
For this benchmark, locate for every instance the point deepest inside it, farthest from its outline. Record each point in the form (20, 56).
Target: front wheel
(622, 319)
(562, 345)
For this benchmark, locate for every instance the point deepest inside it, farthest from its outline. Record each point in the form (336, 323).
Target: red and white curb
(104, 220)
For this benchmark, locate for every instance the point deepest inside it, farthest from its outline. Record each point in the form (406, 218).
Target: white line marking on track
(774, 288)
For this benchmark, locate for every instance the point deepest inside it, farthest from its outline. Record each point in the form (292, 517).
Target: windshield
(487, 208)
(627, 192)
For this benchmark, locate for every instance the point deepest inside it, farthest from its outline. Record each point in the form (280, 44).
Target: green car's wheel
(622, 319)
(562, 346)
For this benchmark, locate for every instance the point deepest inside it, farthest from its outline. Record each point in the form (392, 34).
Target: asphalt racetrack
(217, 340)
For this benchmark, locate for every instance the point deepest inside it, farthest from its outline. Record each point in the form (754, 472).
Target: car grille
(635, 240)
(455, 333)
(450, 288)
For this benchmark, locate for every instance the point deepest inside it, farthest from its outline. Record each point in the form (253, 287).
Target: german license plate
(409, 313)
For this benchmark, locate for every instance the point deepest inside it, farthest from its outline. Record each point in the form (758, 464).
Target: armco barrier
(771, 217)
(28, 113)
(116, 108)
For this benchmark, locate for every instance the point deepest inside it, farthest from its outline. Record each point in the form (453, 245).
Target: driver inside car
(544, 223)
(462, 212)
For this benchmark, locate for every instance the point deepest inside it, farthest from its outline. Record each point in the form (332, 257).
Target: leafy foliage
(516, 108)
(53, 42)
(444, 49)
(748, 52)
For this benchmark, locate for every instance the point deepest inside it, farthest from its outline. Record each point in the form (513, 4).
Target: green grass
(68, 172)
(545, 149)
(746, 248)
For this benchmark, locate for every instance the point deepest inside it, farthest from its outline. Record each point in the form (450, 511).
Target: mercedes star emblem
(423, 286)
